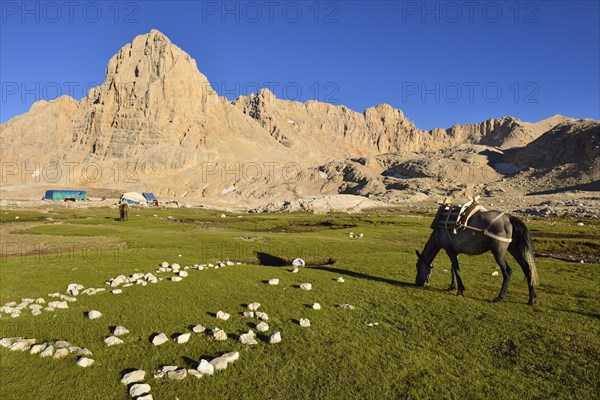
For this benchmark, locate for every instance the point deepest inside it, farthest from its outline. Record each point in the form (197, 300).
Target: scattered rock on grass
(306, 286)
(112, 340)
(222, 315)
(139, 389)
(262, 327)
(183, 338)
(248, 338)
(275, 338)
(159, 339)
(304, 322)
(85, 362)
(133, 377)
(316, 306)
(120, 330)
(205, 368)
(179, 374)
(273, 281)
(94, 314)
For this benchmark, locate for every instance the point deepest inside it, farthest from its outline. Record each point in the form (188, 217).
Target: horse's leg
(455, 272)
(527, 271)
(453, 284)
(500, 256)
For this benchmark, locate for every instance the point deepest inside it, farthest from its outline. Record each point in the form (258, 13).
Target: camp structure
(151, 199)
(133, 198)
(65, 195)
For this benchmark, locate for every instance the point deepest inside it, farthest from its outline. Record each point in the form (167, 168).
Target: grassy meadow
(428, 344)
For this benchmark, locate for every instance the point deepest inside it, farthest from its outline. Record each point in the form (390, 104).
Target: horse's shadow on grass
(359, 275)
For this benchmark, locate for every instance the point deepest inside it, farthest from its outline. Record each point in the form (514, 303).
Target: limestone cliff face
(331, 131)
(40, 135)
(156, 106)
(505, 132)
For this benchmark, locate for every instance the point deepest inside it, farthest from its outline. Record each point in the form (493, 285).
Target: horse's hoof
(498, 300)
(460, 294)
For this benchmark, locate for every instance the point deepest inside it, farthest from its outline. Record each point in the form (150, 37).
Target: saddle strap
(486, 231)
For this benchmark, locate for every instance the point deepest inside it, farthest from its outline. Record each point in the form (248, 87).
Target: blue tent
(61, 195)
(150, 197)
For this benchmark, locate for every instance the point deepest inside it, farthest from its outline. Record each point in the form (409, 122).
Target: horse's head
(424, 270)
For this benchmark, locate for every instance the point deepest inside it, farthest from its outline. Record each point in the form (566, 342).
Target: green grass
(428, 344)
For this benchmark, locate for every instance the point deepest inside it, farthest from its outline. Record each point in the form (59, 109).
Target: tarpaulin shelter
(61, 195)
(133, 198)
(150, 198)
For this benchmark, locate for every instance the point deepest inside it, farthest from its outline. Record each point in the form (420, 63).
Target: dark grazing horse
(123, 211)
(492, 231)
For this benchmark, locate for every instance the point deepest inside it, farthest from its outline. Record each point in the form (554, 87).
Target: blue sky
(440, 62)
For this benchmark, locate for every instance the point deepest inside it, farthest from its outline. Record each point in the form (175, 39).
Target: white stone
(298, 263)
(40, 300)
(120, 330)
(139, 389)
(253, 306)
(145, 397)
(262, 327)
(275, 338)
(304, 322)
(117, 291)
(183, 273)
(262, 316)
(219, 335)
(205, 368)
(60, 353)
(340, 280)
(85, 352)
(316, 306)
(248, 338)
(112, 340)
(346, 306)
(495, 273)
(230, 263)
(85, 362)
(58, 304)
(133, 377)
(176, 279)
(36, 312)
(7, 342)
(38, 348)
(94, 314)
(219, 363)
(306, 286)
(373, 324)
(74, 349)
(49, 309)
(179, 374)
(59, 344)
(183, 338)
(175, 266)
(273, 281)
(164, 264)
(160, 339)
(198, 329)
(48, 351)
(249, 314)
(295, 271)
(22, 345)
(222, 315)
(231, 356)
(194, 372)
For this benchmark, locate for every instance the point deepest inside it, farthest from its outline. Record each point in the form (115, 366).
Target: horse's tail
(522, 239)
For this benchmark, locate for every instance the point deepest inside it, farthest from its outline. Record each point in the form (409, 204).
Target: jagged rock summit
(156, 124)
